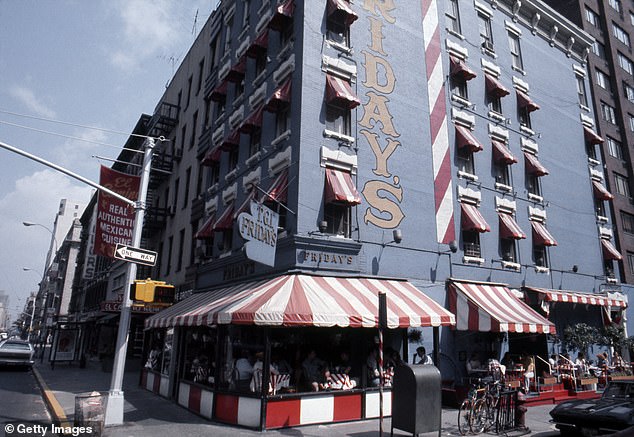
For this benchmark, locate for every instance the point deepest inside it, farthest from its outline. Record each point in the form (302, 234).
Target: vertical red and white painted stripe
(443, 194)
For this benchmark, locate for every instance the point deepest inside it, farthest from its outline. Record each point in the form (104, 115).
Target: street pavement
(147, 414)
(20, 400)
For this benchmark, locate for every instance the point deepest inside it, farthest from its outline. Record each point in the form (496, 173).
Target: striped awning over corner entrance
(578, 297)
(308, 300)
(487, 307)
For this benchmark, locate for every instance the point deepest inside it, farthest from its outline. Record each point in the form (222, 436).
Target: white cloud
(28, 98)
(34, 198)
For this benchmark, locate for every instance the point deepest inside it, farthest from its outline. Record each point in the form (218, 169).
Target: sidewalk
(147, 414)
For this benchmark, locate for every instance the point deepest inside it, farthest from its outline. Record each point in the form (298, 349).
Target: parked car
(16, 353)
(613, 412)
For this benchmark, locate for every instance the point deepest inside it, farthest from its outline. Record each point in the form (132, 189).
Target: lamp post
(27, 269)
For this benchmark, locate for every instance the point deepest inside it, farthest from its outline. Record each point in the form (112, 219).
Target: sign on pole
(260, 229)
(135, 255)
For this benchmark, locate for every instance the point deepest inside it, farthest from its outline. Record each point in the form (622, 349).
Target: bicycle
(477, 411)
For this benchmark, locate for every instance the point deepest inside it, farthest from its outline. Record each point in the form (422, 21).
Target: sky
(75, 76)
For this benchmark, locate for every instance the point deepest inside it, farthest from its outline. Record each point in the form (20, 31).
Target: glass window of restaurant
(198, 362)
(306, 359)
(159, 355)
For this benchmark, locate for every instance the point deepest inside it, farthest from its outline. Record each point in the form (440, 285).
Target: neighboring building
(610, 67)
(433, 151)
(4, 311)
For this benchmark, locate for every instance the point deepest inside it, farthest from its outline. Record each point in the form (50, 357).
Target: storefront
(283, 351)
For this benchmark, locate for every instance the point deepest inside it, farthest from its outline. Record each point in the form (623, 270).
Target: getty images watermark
(33, 429)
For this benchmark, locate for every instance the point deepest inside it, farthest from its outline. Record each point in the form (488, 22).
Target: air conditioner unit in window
(488, 45)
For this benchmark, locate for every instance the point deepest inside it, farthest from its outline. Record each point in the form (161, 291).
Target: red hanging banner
(115, 218)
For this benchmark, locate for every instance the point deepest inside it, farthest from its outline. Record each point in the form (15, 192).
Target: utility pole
(114, 410)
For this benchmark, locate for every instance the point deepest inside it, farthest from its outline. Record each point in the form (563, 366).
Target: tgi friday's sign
(259, 228)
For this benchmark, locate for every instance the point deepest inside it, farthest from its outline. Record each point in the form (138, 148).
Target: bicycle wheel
(464, 417)
(479, 416)
(491, 411)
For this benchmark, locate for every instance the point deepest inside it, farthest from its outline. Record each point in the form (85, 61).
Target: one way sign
(135, 255)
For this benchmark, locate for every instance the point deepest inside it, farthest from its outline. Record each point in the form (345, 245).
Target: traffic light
(148, 290)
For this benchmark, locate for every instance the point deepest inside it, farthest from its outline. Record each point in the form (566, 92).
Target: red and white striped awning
(280, 98)
(341, 10)
(283, 14)
(339, 93)
(307, 300)
(609, 251)
(212, 156)
(600, 192)
(340, 188)
(494, 87)
(509, 227)
(259, 45)
(533, 165)
(577, 297)
(489, 307)
(279, 189)
(465, 138)
(253, 121)
(472, 219)
(542, 235)
(231, 141)
(207, 229)
(220, 92)
(523, 101)
(225, 221)
(238, 70)
(501, 153)
(591, 136)
(458, 67)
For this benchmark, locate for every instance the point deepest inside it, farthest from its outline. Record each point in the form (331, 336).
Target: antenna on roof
(195, 22)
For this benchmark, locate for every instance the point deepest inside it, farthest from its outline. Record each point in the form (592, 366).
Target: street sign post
(135, 255)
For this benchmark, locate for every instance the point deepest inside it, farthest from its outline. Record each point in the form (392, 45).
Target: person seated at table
(392, 358)
(421, 356)
(617, 362)
(316, 371)
(580, 363)
(244, 370)
(529, 370)
(473, 364)
(372, 368)
(344, 368)
(496, 369)
(258, 367)
(280, 363)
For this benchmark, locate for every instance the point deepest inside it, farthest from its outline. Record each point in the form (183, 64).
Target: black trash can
(416, 399)
(90, 412)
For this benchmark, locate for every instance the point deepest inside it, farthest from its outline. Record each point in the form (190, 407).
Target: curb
(54, 407)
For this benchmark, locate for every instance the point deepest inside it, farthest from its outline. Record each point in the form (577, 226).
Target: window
(213, 53)
(592, 18)
(221, 106)
(192, 140)
(337, 30)
(532, 184)
(181, 246)
(254, 141)
(616, 5)
(516, 52)
(524, 116)
(189, 90)
(581, 92)
(591, 150)
(630, 261)
(168, 255)
(627, 221)
(207, 112)
(199, 351)
(620, 34)
(508, 249)
(233, 158)
(632, 18)
(281, 121)
(337, 216)
(227, 240)
(453, 16)
(245, 13)
(615, 148)
(228, 37)
(625, 63)
(260, 62)
(540, 256)
(286, 33)
(338, 119)
(471, 243)
(598, 49)
(599, 207)
(459, 86)
(486, 34)
(183, 136)
(628, 91)
(201, 72)
(608, 113)
(502, 173)
(622, 185)
(176, 189)
(465, 160)
(603, 80)
(239, 89)
(631, 121)
(188, 175)
(214, 173)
